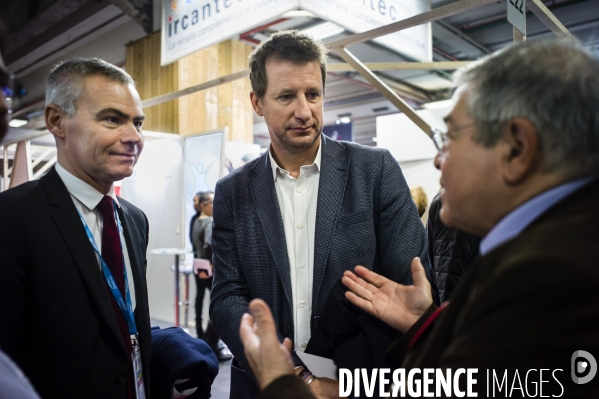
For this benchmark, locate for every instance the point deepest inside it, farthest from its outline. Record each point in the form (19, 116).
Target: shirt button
(299, 190)
(303, 345)
(301, 225)
(302, 304)
(302, 265)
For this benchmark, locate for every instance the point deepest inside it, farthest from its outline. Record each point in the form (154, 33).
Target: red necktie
(113, 256)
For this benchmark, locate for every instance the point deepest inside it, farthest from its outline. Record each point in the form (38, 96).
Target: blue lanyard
(126, 308)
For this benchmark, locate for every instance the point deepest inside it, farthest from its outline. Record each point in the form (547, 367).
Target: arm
(230, 293)
(400, 234)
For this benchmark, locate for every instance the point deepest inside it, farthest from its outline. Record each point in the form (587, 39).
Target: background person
(202, 240)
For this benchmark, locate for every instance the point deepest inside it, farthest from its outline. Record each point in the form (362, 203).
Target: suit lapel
(131, 232)
(67, 220)
(262, 187)
(334, 169)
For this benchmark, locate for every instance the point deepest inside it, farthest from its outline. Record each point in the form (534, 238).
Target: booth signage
(191, 25)
(516, 14)
(359, 16)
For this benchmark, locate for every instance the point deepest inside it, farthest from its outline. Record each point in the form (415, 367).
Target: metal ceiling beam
(397, 66)
(193, 89)
(383, 88)
(542, 12)
(428, 16)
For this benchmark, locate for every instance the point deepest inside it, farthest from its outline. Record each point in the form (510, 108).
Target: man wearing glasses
(519, 163)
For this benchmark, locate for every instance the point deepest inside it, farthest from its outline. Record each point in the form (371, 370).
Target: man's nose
(132, 134)
(438, 160)
(302, 110)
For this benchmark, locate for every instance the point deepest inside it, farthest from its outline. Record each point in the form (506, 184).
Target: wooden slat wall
(142, 62)
(223, 106)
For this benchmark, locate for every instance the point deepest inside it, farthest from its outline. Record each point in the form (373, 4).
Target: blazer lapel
(131, 232)
(69, 224)
(262, 187)
(334, 168)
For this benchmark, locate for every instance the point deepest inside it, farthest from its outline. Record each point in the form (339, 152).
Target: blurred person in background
(201, 236)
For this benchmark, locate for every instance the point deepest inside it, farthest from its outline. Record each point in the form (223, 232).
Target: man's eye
(313, 96)
(112, 119)
(285, 97)
(138, 124)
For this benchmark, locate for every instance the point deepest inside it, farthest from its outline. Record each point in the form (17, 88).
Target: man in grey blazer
(288, 224)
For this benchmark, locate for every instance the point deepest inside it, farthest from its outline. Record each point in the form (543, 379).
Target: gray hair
(553, 83)
(66, 81)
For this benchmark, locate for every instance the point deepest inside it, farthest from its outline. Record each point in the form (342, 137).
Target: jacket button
(120, 378)
(287, 328)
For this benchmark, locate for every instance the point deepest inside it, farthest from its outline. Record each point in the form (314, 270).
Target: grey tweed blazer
(365, 216)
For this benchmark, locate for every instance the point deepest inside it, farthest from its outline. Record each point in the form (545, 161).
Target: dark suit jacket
(365, 216)
(58, 324)
(528, 304)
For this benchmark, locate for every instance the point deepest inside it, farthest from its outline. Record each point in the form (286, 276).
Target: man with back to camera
(288, 224)
(75, 315)
(519, 164)
(13, 384)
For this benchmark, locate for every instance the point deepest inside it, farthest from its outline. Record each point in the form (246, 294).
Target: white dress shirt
(297, 202)
(86, 199)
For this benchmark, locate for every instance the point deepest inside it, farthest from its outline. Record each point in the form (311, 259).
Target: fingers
(418, 273)
(373, 278)
(265, 323)
(363, 304)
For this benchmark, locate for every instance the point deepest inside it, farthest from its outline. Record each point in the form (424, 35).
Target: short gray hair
(553, 83)
(65, 83)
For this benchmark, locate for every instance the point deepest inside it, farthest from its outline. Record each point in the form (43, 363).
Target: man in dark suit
(519, 165)
(73, 296)
(288, 224)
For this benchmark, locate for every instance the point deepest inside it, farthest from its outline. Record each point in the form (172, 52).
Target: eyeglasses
(441, 139)
(12, 89)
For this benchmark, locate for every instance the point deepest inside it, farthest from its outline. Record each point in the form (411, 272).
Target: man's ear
(521, 155)
(256, 103)
(55, 120)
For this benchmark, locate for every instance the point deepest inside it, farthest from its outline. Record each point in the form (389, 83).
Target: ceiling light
(438, 104)
(17, 122)
(345, 119)
(324, 30)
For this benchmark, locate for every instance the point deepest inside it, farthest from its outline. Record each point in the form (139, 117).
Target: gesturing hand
(268, 358)
(398, 305)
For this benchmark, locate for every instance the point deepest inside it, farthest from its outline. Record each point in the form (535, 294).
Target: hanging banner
(359, 16)
(191, 25)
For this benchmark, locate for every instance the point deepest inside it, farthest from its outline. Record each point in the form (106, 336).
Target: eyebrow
(120, 113)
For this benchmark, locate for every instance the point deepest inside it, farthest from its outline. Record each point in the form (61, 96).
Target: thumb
(265, 324)
(418, 273)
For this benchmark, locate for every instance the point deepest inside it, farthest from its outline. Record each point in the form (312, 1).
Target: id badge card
(137, 371)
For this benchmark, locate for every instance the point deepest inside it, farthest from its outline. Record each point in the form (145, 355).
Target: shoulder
(20, 195)
(132, 210)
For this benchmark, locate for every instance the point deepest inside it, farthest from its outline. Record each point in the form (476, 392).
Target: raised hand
(268, 358)
(398, 305)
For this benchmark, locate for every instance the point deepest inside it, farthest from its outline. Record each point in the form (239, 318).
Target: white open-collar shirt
(297, 202)
(86, 199)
